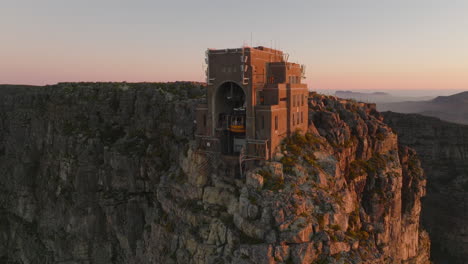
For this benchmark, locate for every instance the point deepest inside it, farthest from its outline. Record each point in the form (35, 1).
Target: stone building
(255, 98)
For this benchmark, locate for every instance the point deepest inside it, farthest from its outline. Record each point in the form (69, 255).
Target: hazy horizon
(398, 45)
(399, 92)
(393, 92)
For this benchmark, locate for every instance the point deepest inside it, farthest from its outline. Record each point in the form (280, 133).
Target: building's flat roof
(234, 50)
(279, 63)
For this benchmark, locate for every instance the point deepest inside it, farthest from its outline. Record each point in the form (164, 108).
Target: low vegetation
(300, 147)
(270, 182)
(361, 167)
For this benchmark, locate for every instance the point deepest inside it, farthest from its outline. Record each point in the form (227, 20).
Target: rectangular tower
(255, 98)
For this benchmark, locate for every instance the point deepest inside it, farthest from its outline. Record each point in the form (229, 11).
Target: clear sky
(347, 44)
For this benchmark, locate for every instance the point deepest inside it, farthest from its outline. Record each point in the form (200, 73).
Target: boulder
(304, 253)
(254, 180)
(337, 247)
(299, 231)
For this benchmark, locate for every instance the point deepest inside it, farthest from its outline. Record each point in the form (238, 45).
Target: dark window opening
(276, 122)
(204, 120)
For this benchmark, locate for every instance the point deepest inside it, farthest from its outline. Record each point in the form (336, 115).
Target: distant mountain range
(453, 108)
(378, 97)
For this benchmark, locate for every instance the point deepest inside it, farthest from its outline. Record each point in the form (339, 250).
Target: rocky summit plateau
(110, 173)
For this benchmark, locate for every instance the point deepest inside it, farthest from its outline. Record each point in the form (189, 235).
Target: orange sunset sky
(344, 44)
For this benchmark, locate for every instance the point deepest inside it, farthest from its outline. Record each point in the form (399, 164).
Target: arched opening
(230, 109)
(229, 96)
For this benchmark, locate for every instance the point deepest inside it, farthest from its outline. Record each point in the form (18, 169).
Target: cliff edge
(109, 173)
(443, 151)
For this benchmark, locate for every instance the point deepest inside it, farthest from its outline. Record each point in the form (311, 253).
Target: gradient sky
(348, 44)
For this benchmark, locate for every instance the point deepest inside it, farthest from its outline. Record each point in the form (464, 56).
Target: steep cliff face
(443, 150)
(80, 165)
(108, 173)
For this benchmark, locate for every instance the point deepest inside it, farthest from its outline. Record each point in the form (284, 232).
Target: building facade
(255, 98)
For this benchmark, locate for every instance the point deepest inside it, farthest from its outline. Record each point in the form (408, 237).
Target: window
(263, 122)
(276, 122)
(302, 100)
(293, 79)
(302, 117)
(204, 120)
(294, 120)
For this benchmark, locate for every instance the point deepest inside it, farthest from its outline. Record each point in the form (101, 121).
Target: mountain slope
(453, 108)
(109, 173)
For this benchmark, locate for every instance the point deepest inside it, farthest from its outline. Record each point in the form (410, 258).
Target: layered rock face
(109, 173)
(80, 166)
(443, 150)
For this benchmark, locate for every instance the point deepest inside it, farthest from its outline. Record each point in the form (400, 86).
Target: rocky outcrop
(443, 150)
(109, 173)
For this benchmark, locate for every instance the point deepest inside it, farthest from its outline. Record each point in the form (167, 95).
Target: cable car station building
(255, 98)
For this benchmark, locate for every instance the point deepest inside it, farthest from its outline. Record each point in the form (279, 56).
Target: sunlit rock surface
(108, 173)
(443, 150)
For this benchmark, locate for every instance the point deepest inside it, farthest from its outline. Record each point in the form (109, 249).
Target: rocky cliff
(443, 150)
(108, 173)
